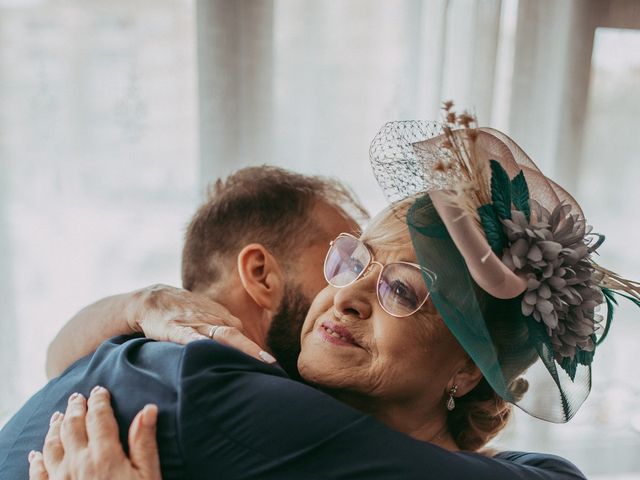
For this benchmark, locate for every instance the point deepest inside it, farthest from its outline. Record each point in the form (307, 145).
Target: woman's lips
(336, 334)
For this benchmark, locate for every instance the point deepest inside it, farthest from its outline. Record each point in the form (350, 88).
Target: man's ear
(261, 276)
(466, 377)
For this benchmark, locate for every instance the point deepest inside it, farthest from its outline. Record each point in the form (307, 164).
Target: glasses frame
(372, 261)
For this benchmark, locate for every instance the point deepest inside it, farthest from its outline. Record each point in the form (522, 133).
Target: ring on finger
(212, 332)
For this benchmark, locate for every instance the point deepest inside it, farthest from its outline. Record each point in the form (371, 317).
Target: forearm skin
(106, 318)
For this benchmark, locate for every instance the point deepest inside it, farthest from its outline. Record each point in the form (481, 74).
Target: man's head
(257, 245)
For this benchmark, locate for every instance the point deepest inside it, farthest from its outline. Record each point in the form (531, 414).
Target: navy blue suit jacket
(225, 415)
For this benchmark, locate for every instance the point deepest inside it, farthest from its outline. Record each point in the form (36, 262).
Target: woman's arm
(89, 327)
(160, 312)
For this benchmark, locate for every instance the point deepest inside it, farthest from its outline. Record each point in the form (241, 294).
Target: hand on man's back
(83, 444)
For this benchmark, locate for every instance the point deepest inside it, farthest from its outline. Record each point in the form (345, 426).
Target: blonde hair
(388, 228)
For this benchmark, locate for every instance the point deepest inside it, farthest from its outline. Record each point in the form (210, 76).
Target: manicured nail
(54, 418)
(97, 389)
(266, 357)
(32, 454)
(149, 415)
(75, 396)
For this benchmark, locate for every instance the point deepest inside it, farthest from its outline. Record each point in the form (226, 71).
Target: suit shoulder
(211, 357)
(134, 357)
(545, 461)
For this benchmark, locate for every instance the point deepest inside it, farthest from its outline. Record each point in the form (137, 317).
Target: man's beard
(283, 338)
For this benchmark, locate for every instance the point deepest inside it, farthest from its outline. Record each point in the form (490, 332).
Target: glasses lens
(402, 289)
(346, 259)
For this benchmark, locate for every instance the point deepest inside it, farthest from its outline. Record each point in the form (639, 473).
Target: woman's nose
(356, 300)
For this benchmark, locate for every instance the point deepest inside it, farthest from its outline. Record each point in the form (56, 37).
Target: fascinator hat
(516, 280)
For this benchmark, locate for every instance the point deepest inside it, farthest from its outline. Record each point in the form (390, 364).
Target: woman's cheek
(324, 299)
(321, 304)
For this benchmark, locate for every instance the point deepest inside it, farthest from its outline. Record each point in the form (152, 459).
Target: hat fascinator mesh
(516, 281)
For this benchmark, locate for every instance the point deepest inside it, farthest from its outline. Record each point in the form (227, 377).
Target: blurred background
(116, 114)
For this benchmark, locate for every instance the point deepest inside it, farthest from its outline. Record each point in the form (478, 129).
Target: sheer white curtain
(98, 163)
(116, 114)
(323, 77)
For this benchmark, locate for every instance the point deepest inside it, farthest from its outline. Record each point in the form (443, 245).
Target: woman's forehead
(392, 241)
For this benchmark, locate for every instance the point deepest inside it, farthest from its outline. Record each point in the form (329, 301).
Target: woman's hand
(172, 314)
(83, 444)
(161, 312)
(166, 313)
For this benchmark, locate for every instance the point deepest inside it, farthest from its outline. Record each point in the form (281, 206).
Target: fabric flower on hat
(562, 284)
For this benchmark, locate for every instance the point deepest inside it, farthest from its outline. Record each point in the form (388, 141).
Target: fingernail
(75, 396)
(197, 336)
(267, 357)
(32, 454)
(97, 389)
(149, 415)
(54, 418)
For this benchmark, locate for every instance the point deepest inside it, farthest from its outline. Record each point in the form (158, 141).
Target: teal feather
(520, 194)
(492, 227)
(609, 297)
(500, 190)
(611, 304)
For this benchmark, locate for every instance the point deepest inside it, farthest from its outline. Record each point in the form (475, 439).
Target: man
(260, 217)
(257, 247)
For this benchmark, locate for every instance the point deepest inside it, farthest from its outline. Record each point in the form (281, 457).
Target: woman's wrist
(136, 304)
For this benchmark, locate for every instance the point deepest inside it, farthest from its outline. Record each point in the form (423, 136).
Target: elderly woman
(375, 341)
(424, 327)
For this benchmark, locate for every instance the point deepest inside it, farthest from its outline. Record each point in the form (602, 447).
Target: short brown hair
(264, 204)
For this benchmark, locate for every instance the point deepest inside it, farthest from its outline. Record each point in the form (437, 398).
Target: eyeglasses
(401, 287)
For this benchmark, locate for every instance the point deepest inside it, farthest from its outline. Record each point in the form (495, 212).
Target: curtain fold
(324, 76)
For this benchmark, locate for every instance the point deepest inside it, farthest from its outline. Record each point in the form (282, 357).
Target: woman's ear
(261, 276)
(466, 377)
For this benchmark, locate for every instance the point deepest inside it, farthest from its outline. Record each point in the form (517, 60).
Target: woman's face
(350, 343)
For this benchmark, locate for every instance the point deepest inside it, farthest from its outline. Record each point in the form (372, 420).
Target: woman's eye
(404, 294)
(355, 266)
